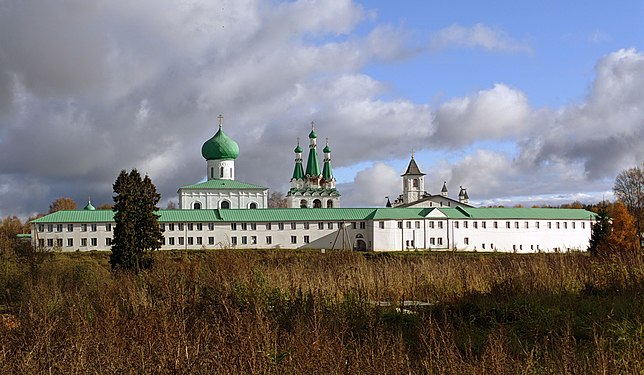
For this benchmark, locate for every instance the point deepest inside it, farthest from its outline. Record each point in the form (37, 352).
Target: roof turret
(89, 206)
(220, 146)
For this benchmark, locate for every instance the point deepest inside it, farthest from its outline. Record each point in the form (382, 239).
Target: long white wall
(508, 235)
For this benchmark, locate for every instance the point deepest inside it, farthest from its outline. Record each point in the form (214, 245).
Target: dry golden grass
(233, 312)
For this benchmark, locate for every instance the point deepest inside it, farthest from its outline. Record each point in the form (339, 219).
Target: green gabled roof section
(323, 214)
(223, 184)
(312, 164)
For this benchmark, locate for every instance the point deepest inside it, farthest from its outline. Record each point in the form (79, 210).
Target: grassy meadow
(286, 312)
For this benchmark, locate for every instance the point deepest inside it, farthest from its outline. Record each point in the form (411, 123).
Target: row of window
(70, 242)
(181, 226)
(294, 226)
(526, 224)
(70, 227)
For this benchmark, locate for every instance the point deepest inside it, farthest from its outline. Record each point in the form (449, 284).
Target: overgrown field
(309, 313)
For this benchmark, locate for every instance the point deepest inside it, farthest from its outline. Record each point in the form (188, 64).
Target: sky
(519, 102)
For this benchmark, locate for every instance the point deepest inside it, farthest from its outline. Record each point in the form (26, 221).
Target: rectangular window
(108, 241)
(531, 247)
(583, 225)
(456, 224)
(83, 242)
(50, 242)
(280, 226)
(293, 226)
(253, 240)
(171, 226)
(558, 225)
(180, 227)
(190, 226)
(244, 240)
(70, 242)
(253, 226)
(400, 225)
(431, 224)
(549, 225)
(171, 241)
(93, 227)
(475, 224)
(162, 227)
(199, 226)
(269, 240)
(233, 226)
(41, 227)
(363, 225)
(565, 225)
(439, 241)
(163, 241)
(211, 226)
(381, 225)
(211, 240)
(293, 239)
(268, 226)
(526, 225)
(330, 225)
(483, 224)
(50, 227)
(339, 225)
(354, 225)
(83, 227)
(432, 241)
(507, 224)
(41, 242)
(233, 240)
(496, 225)
(59, 227)
(516, 225)
(180, 239)
(306, 225)
(320, 225)
(108, 227)
(466, 240)
(408, 224)
(536, 224)
(191, 241)
(244, 226)
(199, 241)
(483, 246)
(440, 225)
(573, 225)
(59, 242)
(465, 224)
(306, 239)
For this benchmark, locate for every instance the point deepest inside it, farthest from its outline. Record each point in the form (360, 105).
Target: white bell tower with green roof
(311, 188)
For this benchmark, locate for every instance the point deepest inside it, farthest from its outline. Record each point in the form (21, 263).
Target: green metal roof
(23, 235)
(312, 164)
(298, 172)
(223, 184)
(322, 214)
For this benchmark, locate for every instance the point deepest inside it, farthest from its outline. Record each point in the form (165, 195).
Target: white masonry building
(224, 213)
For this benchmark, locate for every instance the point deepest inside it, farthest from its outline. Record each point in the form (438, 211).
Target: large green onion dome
(219, 147)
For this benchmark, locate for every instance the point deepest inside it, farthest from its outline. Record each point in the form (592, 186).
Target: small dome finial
(221, 120)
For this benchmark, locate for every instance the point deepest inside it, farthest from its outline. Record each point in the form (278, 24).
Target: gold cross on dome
(221, 119)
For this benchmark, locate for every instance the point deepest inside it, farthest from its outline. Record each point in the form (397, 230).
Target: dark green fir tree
(600, 232)
(135, 214)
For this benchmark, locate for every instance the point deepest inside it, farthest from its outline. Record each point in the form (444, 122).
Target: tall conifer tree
(137, 229)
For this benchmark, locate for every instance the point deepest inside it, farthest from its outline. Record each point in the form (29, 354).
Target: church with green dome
(221, 190)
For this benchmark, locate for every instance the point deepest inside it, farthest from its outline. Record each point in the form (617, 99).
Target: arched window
(197, 206)
(212, 172)
(415, 182)
(253, 206)
(317, 203)
(225, 204)
(329, 203)
(221, 172)
(304, 203)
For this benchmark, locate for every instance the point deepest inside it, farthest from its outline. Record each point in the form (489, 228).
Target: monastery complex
(222, 212)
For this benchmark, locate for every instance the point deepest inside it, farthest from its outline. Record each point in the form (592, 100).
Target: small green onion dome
(298, 149)
(89, 207)
(219, 147)
(312, 134)
(326, 149)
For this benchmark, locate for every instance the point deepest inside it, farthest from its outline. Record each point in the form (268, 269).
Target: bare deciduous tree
(629, 188)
